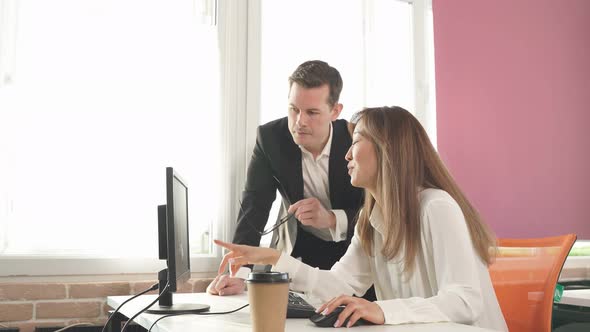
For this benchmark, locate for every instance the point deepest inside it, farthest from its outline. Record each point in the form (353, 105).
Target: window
(102, 96)
(369, 42)
(97, 97)
(579, 256)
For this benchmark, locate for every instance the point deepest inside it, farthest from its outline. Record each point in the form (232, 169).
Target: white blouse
(450, 283)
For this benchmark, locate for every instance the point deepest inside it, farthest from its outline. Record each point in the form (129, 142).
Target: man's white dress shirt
(316, 184)
(449, 282)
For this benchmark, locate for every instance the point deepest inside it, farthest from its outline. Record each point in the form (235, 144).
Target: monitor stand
(165, 305)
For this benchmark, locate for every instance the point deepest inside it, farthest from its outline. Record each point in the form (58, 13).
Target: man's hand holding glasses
(311, 212)
(308, 211)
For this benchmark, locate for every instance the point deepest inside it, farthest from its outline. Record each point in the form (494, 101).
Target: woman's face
(362, 160)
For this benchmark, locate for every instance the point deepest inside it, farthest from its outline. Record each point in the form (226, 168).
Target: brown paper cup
(268, 293)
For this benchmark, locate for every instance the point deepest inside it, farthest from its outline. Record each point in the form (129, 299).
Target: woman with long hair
(417, 239)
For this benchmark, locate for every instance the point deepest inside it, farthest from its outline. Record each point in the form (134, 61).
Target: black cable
(147, 307)
(200, 313)
(154, 287)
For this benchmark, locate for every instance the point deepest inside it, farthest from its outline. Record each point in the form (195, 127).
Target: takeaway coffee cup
(268, 293)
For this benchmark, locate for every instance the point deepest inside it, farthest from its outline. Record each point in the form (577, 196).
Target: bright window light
(104, 95)
(371, 46)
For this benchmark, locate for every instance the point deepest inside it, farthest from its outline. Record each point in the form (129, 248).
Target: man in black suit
(302, 156)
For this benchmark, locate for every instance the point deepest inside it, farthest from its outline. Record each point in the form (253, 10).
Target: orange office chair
(524, 276)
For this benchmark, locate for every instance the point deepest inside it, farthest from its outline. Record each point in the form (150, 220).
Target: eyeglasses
(275, 226)
(281, 221)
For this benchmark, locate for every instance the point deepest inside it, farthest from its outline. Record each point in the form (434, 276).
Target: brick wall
(27, 305)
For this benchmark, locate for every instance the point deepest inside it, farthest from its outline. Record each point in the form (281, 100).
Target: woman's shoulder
(439, 209)
(430, 196)
(434, 194)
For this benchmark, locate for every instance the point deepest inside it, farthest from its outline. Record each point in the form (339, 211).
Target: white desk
(579, 297)
(573, 308)
(240, 321)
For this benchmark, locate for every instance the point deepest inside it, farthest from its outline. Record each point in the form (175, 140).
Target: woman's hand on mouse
(356, 308)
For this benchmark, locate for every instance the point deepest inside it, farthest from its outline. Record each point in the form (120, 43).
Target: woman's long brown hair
(408, 161)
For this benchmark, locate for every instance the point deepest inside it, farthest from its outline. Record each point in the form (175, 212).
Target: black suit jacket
(277, 154)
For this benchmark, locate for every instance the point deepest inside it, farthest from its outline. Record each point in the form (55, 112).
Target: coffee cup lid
(266, 277)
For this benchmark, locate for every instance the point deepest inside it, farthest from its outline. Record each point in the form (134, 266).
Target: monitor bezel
(171, 225)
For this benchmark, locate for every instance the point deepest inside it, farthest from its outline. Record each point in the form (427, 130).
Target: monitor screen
(177, 229)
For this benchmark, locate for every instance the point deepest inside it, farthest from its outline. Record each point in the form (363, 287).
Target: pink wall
(513, 110)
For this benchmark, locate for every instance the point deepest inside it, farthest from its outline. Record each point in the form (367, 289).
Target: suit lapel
(292, 180)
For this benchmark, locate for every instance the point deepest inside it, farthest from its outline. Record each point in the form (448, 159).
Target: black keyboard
(298, 307)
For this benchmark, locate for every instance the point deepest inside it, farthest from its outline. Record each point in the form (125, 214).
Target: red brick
(140, 286)
(105, 309)
(16, 311)
(82, 309)
(103, 289)
(185, 287)
(31, 291)
(200, 284)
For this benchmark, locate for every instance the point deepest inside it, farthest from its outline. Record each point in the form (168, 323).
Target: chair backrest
(524, 275)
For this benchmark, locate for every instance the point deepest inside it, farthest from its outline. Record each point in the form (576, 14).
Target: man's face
(310, 116)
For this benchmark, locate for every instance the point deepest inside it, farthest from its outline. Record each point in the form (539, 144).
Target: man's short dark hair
(315, 73)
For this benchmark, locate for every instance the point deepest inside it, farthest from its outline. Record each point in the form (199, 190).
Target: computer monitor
(173, 242)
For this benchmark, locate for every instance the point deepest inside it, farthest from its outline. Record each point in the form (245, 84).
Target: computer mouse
(329, 319)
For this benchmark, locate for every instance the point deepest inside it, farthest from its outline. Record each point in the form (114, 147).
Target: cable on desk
(153, 287)
(147, 307)
(200, 313)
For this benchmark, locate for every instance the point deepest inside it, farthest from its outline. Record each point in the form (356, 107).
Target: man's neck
(315, 152)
